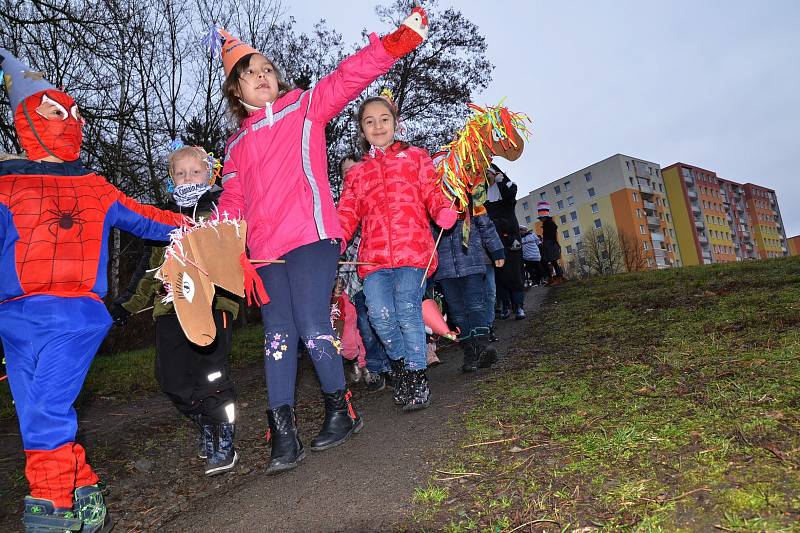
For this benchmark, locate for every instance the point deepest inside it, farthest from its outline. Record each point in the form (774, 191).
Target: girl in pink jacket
(275, 176)
(392, 195)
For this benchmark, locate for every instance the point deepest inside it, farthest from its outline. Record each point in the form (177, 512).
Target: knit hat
(20, 81)
(543, 209)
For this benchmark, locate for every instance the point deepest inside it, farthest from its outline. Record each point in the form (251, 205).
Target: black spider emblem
(64, 219)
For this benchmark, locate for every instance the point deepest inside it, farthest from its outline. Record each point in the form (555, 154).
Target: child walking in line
(531, 256)
(275, 176)
(195, 378)
(391, 194)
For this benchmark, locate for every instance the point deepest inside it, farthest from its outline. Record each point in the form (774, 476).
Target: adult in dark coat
(500, 203)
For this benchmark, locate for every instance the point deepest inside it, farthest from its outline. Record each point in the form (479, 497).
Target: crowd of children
(274, 176)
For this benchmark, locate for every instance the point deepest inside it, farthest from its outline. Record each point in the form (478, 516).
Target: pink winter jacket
(275, 172)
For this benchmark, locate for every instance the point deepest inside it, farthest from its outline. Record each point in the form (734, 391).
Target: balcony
(645, 188)
(692, 194)
(688, 180)
(658, 237)
(649, 206)
(702, 238)
(745, 234)
(696, 209)
(699, 224)
(739, 207)
(654, 222)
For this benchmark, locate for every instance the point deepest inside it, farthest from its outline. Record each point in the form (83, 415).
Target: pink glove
(409, 35)
(446, 218)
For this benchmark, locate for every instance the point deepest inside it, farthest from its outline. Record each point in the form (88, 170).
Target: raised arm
(333, 92)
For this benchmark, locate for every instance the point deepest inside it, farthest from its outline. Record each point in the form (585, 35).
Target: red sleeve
(432, 193)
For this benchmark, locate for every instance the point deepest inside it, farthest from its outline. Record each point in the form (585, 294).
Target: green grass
(132, 371)
(656, 401)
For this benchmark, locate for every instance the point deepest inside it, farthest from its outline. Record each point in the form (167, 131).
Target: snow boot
(419, 394)
(287, 450)
(41, 516)
(470, 363)
(221, 455)
(90, 506)
(341, 421)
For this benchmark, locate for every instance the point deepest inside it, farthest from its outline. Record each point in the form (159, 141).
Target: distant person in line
(551, 250)
(532, 257)
(500, 203)
(195, 378)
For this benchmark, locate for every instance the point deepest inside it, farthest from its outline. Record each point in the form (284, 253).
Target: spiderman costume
(55, 220)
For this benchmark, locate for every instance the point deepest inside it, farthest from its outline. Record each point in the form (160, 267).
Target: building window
(560, 205)
(557, 189)
(566, 233)
(660, 188)
(570, 200)
(569, 248)
(638, 213)
(645, 246)
(635, 197)
(528, 219)
(598, 223)
(563, 219)
(601, 238)
(567, 186)
(573, 215)
(669, 219)
(576, 230)
(579, 245)
(542, 195)
(590, 191)
(641, 229)
(595, 209)
(628, 164)
(631, 178)
(588, 177)
(525, 206)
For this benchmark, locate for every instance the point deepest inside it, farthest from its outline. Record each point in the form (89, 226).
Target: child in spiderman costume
(55, 219)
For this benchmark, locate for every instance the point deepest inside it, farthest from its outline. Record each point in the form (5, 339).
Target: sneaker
(504, 314)
(419, 394)
(354, 372)
(375, 381)
(90, 507)
(519, 314)
(42, 515)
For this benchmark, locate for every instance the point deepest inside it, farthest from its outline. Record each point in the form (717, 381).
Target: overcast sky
(713, 83)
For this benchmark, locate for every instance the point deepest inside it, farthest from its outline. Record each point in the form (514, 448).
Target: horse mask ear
(509, 148)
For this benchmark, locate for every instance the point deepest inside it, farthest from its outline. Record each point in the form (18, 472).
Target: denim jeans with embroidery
(376, 355)
(394, 305)
(300, 309)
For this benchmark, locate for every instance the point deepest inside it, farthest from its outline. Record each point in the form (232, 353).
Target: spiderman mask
(48, 124)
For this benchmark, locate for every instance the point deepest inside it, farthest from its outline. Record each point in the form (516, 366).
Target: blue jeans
(300, 308)
(466, 301)
(376, 355)
(491, 294)
(394, 305)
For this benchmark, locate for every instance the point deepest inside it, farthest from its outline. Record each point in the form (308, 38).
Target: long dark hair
(231, 86)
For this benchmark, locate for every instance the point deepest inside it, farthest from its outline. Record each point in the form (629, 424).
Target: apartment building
(793, 244)
(718, 220)
(621, 192)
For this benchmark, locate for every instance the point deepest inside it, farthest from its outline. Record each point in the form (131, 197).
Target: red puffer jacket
(392, 194)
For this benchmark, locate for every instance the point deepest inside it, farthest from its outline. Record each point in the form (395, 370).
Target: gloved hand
(119, 314)
(446, 218)
(409, 35)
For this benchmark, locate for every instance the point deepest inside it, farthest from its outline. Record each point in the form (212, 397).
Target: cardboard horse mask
(200, 258)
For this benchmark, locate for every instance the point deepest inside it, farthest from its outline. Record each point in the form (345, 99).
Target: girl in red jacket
(392, 194)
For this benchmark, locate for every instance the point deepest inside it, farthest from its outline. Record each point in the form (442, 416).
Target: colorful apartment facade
(622, 193)
(719, 220)
(793, 244)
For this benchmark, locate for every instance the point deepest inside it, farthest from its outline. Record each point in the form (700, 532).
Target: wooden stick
(143, 310)
(490, 442)
(281, 261)
(435, 247)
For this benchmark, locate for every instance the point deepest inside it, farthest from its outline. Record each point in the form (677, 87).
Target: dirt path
(144, 450)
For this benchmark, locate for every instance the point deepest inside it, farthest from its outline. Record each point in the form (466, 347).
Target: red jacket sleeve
(349, 208)
(333, 92)
(432, 193)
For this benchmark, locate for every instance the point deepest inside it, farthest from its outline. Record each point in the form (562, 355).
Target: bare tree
(601, 253)
(632, 252)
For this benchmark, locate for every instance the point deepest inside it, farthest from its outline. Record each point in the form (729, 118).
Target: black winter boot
(201, 441)
(287, 450)
(341, 421)
(41, 516)
(419, 395)
(221, 455)
(486, 354)
(400, 396)
(90, 507)
(470, 363)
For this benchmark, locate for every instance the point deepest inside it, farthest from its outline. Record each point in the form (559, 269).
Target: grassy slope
(132, 372)
(659, 401)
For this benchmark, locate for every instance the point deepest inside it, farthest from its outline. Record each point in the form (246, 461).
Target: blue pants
(50, 343)
(376, 355)
(466, 303)
(394, 305)
(491, 294)
(300, 308)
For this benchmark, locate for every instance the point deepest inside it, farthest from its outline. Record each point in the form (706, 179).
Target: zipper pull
(270, 117)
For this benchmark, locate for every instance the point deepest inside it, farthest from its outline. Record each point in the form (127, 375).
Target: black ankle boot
(287, 450)
(486, 354)
(419, 395)
(470, 363)
(341, 421)
(400, 396)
